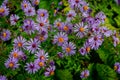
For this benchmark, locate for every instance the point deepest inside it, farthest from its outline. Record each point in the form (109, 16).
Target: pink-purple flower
(5, 35)
(33, 45)
(85, 74)
(4, 11)
(14, 19)
(2, 77)
(50, 71)
(19, 42)
(42, 13)
(60, 38)
(11, 63)
(31, 67)
(69, 48)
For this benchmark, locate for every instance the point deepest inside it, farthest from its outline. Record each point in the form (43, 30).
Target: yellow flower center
(11, 64)
(60, 39)
(25, 5)
(42, 57)
(42, 14)
(19, 44)
(15, 55)
(88, 49)
(85, 75)
(58, 24)
(85, 8)
(41, 38)
(81, 29)
(65, 28)
(2, 10)
(41, 64)
(36, 2)
(115, 67)
(68, 49)
(52, 73)
(4, 34)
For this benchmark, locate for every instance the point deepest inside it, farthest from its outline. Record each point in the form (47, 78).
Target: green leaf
(63, 75)
(105, 72)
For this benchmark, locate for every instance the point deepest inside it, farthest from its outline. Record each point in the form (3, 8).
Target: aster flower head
(5, 2)
(5, 35)
(3, 77)
(81, 29)
(106, 31)
(82, 51)
(60, 54)
(11, 63)
(15, 53)
(75, 3)
(13, 19)
(116, 41)
(4, 11)
(31, 67)
(39, 63)
(42, 13)
(67, 27)
(35, 2)
(85, 74)
(117, 67)
(87, 47)
(60, 38)
(41, 37)
(101, 16)
(19, 43)
(33, 45)
(58, 24)
(70, 15)
(95, 41)
(29, 11)
(69, 48)
(25, 4)
(42, 55)
(42, 23)
(50, 71)
(29, 26)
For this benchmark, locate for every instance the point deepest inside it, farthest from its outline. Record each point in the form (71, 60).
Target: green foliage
(63, 75)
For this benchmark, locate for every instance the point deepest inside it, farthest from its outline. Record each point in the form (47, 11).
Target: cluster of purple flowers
(89, 27)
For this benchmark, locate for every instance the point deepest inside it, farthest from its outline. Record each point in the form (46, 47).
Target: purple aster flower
(29, 26)
(75, 3)
(60, 38)
(90, 20)
(29, 11)
(82, 51)
(96, 30)
(85, 74)
(5, 2)
(69, 48)
(42, 23)
(101, 16)
(35, 2)
(41, 37)
(70, 15)
(19, 43)
(67, 27)
(25, 4)
(31, 67)
(52, 63)
(49, 71)
(116, 40)
(4, 11)
(117, 67)
(42, 55)
(15, 53)
(12, 63)
(39, 63)
(58, 24)
(42, 13)
(3, 77)
(60, 54)
(5, 35)
(95, 41)
(13, 19)
(87, 47)
(33, 45)
(23, 57)
(81, 30)
(106, 32)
